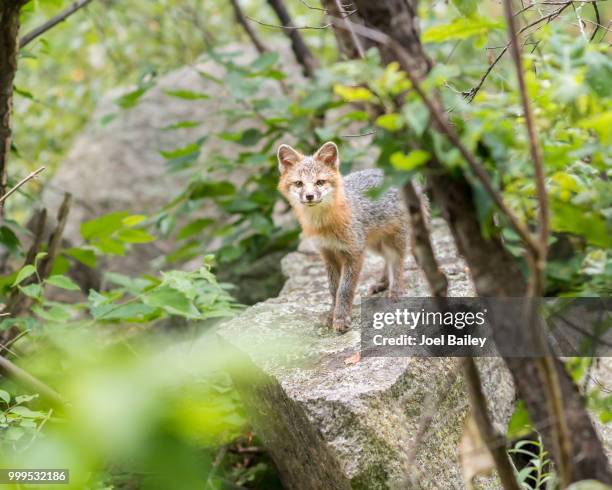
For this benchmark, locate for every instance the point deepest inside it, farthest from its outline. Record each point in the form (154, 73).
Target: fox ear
(287, 158)
(328, 154)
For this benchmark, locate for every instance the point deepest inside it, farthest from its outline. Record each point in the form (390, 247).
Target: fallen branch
(52, 22)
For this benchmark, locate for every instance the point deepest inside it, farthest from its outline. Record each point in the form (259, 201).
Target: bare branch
(312, 7)
(298, 45)
(534, 148)
(495, 442)
(26, 378)
(52, 22)
(288, 27)
(597, 21)
(470, 94)
(354, 38)
(55, 239)
(20, 183)
(242, 20)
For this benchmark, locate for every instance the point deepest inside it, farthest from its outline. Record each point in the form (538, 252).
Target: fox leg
(395, 253)
(383, 282)
(351, 268)
(333, 267)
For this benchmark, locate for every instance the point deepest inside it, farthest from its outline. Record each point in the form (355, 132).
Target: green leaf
(9, 239)
(32, 290)
(5, 396)
(130, 99)
(187, 94)
(248, 137)
(460, 28)
(466, 7)
(103, 226)
(353, 94)
(391, 122)
(135, 236)
(202, 189)
(170, 300)
(265, 61)
(26, 412)
(412, 160)
(183, 151)
(63, 282)
(182, 125)
(133, 220)
(194, 227)
(83, 255)
(54, 314)
(24, 273)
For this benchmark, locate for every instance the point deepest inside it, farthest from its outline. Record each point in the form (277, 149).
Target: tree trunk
(9, 47)
(300, 49)
(399, 20)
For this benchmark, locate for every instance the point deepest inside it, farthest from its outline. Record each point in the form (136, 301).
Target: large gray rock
(117, 165)
(330, 424)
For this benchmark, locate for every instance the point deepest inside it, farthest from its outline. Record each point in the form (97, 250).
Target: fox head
(309, 181)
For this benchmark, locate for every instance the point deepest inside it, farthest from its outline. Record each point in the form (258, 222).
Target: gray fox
(337, 211)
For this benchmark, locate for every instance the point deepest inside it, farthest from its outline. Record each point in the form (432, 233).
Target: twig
(446, 128)
(312, 7)
(534, 148)
(286, 27)
(358, 135)
(20, 183)
(55, 239)
(354, 37)
(27, 379)
(52, 22)
(298, 45)
(597, 21)
(470, 94)
(242, 20)
(258, 43)
(495, 442)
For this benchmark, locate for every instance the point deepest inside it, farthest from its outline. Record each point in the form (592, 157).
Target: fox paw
(341, 324)
(379, 287)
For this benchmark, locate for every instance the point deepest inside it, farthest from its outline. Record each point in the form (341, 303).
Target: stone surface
(333, 425)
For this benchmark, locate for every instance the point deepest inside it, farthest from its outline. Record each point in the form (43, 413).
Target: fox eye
(320, 183)
(298, 183)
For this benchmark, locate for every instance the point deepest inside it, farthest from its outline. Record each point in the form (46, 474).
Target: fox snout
(310, 195)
